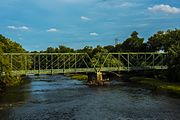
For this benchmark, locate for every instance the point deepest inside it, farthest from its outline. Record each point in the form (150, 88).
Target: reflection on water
(59, 97)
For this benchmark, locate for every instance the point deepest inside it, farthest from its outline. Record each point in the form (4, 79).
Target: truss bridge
(54, 63)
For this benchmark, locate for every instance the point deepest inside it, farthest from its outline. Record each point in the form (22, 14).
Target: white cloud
(127, 4)
(94, 34)
(137, 25)
(52, 30)
(118, 4)
(23, 28)
(11, 27)
(164, 8)
(85, 18)
(18, 27)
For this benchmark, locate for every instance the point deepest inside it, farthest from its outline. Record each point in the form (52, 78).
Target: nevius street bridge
(54, 63)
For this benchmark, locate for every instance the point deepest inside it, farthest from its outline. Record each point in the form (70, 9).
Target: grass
(78, 76)
(157, 84)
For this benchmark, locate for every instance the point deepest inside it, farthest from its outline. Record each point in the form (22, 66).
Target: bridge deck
(85, 70)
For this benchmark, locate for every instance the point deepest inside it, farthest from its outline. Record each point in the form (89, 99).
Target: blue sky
(38, 24)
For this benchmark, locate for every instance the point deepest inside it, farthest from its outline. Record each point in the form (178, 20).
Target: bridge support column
(96, 79)
(99, 76)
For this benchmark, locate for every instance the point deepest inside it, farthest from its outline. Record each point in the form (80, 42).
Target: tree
(99, 49)
(162, 40)
(118, 48)
(86, 49)
(8, 46)
(168, 41)
(110, 48)
(97, 55)
(174, 62)
(144, 47)
(50, 50)
(133, 43)
(6, 77)
(64, 49)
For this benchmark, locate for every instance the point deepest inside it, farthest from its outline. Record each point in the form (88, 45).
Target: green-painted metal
(53, 63)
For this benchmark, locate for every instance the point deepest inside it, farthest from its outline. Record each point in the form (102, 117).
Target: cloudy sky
(38, 24)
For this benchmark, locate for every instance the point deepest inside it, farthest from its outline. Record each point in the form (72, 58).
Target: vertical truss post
(102, 65)
(128, 62)
(64, 63)
(58, 61)
(46, 62)
(119, 59)
(51, 64)
(39, 65)
(34, 62)
(75, 62)
(69, 61)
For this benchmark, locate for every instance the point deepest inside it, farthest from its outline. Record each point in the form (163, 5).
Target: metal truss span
(53, 63)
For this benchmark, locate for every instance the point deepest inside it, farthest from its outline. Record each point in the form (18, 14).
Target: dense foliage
(8, 46)
(168, 41)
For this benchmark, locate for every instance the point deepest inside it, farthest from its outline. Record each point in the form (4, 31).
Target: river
(60, 98)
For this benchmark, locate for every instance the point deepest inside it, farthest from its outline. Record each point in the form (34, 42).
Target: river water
(61, 98)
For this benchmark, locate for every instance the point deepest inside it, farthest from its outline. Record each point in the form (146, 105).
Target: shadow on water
(13, 97)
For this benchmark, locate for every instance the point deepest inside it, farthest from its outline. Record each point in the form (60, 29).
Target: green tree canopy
(64, 49)
(110, 48)
(133, 43)
(9, 46)
(162, 40)
(168, 41)
(118, 48)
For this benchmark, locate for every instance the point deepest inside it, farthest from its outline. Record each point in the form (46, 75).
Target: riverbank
(11, 82)
(156, 84)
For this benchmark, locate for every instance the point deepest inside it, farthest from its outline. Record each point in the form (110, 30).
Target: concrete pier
(99, 76)
(96, 79)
